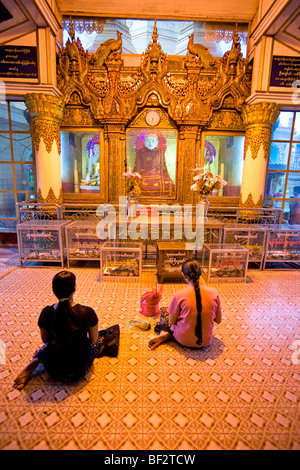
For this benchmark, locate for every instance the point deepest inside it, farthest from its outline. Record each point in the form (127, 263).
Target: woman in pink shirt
(192, 312)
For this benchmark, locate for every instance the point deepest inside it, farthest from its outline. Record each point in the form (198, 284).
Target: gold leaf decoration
(50, 198)
(49, 131)
(255, 137)
(249, 202)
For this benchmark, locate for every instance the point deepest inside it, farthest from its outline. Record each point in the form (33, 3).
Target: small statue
(199, 51)
(105, 49)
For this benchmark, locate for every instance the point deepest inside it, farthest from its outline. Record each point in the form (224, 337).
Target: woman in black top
(69, 332)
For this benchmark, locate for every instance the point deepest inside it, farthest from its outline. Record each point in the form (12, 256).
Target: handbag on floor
(108, 342)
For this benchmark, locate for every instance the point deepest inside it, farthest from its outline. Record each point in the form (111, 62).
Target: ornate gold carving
(110, 49)
(73, 68)
(232, 58)
(154, 61)
(226, 120)
(250, 203)
(46, 112)
(189, 93)
(50, 198)
(255, 138)
(41, 105)
(49, 131)
(79, 116)
(260, 114)
(198, 51)
(177, 85)
(259, 119)
(234, 73)
(165, 121)
(199, 91)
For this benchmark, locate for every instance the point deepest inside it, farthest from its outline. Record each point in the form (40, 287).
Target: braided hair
(192, 270)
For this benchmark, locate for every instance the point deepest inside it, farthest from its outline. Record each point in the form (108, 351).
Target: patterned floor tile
(242, 394)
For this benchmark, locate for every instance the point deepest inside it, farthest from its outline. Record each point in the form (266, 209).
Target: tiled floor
(242, 394)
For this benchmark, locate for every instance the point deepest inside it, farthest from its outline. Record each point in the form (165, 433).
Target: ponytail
(61, 324)
(191, 269)
(63, 285)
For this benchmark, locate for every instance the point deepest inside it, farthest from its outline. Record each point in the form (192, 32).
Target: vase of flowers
(132, 189)
(204, 184)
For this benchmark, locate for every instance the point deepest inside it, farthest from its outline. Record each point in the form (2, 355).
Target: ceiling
(229, 10)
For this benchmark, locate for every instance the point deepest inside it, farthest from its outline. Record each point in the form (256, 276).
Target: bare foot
(155, 342)
(23, 377)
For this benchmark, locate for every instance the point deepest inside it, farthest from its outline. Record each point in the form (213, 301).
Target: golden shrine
(181, 96)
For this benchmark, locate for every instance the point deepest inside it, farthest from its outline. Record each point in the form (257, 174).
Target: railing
(249, 215)
(43, 211)
(27, 211)
(79, 212)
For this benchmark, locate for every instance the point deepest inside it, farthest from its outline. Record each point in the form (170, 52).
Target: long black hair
(63, 285)
(191, 269)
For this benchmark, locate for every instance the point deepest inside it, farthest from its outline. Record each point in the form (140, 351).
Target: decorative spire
(155, 35)
(71, 30)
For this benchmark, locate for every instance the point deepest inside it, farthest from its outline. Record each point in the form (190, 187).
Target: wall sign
(18, 62)
(285, 70)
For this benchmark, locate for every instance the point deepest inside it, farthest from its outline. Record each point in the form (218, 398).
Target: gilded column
(115, 145)
(188, 149)
(46, 112)
(259, 119)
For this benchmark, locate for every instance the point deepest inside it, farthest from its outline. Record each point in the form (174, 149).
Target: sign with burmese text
(285, 71)
(18, 62)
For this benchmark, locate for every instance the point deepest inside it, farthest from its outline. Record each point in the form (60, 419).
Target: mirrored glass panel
(7, 205)
(21, 197)
(279, 155)
(80, 161)
(24, 175)
(5, 152)
(224, 156)
(22, 148)
(282, 128)
(4, 123)
(296, 133)
(291, 212)
(275, 184)
(6, 177)
(20, 118)
(153, 154)
(293, 186)
(295, 157)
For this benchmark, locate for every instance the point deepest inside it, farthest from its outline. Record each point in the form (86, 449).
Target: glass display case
(121, 261)
(224, 263)
(82, 242)
(283, 245)
(41, 241)
(249, 236)
(169, 259)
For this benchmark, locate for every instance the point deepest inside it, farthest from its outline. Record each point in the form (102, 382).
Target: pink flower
(220, 180)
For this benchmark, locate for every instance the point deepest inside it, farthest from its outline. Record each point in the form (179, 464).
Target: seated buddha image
(93, 173)
(150, 163)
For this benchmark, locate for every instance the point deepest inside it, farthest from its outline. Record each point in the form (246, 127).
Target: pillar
(188, 158)
(259, 119)
(115, 150)
(46, 112)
